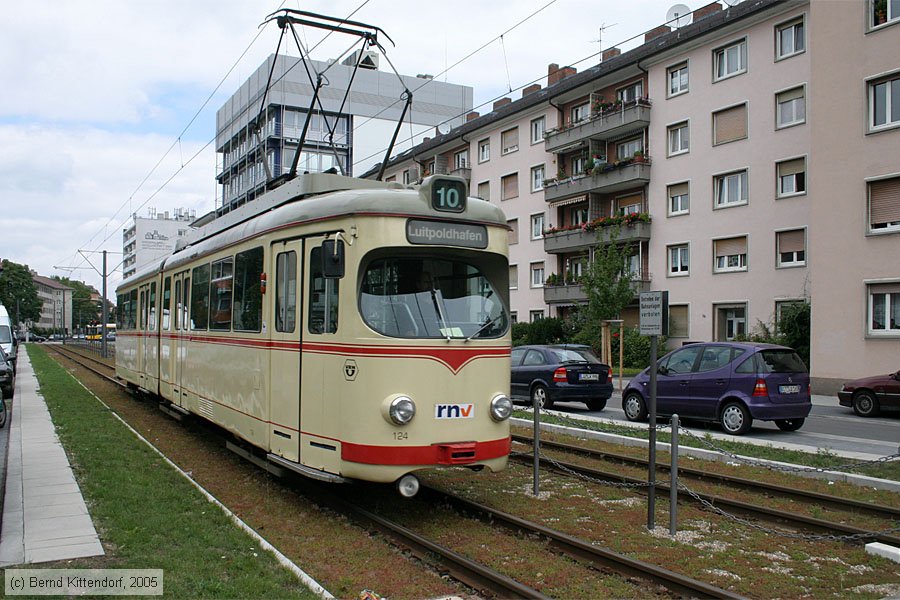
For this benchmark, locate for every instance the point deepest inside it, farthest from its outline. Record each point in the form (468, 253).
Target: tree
(84, 310)
(18, 293)
(608, 281)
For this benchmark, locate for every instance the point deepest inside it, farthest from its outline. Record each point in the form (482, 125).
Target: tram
(344, 328)
(95, 332)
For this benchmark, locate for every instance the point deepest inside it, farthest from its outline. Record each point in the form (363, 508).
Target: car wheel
(789, 424)
(598, 404)
(539, 394)
(634, 407)
(735, 419)
(2, 414)
(865, 404)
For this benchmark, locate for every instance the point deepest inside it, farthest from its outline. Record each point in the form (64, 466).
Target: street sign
(654, 313)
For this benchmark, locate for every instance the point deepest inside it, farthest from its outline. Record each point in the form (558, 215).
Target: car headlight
(402, 410)
(501, 407)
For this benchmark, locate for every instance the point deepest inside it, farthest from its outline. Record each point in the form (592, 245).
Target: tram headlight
(501, 407)
(401, 410)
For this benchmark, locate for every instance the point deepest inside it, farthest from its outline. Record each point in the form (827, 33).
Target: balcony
(573, 293)
(573, 240)
(608, 180)
(609, 124)
(464, 172)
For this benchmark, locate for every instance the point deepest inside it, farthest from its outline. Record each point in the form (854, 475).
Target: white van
(7, 336)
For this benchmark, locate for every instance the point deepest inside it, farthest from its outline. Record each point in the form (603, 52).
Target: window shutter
(884, 201)
(629, 200)
(678, 320)
(729, 246)
(790, 94)
(792, 241)
(484, 190)
(791, 167)
(513, 234)
(513, 276)
(679, 189)
(511, 186)
(510, 140)
(730, 124)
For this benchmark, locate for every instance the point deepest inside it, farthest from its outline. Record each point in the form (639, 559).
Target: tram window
(199, 318)
(151, 321)
(248, 268)
(120, 311)
(220, 294)
(434, 298)
(323, 296)
(185, 302)
(286, 292)
(166, 299)
(142, 315)
(178, 304)
(132, 310)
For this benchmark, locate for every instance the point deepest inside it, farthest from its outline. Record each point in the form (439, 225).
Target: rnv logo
(454, 411)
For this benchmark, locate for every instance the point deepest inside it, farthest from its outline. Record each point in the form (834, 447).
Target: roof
(51, 283)
(633, 57)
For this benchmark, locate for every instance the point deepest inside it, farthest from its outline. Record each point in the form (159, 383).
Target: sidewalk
(44, 515)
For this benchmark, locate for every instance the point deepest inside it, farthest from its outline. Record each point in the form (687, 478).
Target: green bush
(636, 352)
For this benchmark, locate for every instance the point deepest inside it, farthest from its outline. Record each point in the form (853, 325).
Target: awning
(575, 200)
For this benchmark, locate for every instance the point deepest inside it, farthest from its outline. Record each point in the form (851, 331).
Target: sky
(108, 107)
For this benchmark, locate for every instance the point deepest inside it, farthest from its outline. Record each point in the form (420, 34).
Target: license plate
(788, 389)
(589, 377)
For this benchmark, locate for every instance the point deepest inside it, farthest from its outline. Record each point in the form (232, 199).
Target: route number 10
(448, 196)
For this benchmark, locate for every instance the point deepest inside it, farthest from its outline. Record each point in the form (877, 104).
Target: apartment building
(150, 238)
(749, 158)
(56, 304)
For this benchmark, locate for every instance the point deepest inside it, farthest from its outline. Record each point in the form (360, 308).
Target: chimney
(709, 9)
(531, 89)
(555, 74)
(610, 53)
(502, 102)
(656, 32)
(472, 116)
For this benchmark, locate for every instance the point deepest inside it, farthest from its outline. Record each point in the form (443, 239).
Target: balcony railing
(610, 178)
(610, 122)
(573, 293)
(570, 240)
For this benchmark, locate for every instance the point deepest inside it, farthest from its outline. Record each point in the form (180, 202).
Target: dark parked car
(729, 382)
(7, 375)
(870, 395)
(559, 373)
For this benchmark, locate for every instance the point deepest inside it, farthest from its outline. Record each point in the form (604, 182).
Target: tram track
(752, 509)
(476, 576)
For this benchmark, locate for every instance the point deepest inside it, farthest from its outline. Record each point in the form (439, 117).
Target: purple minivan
(729, 382)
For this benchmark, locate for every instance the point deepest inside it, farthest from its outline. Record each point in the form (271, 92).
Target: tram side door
(182, 289)
(283, 298)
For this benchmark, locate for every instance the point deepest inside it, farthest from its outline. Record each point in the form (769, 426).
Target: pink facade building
(751, 158)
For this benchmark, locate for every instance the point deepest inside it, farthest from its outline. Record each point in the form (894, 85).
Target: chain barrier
(797, 536)
(588, 478)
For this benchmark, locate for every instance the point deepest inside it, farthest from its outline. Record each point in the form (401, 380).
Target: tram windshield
(431, 298)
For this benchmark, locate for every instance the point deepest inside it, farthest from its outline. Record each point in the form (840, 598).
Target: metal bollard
(673, 484)
(537, 442)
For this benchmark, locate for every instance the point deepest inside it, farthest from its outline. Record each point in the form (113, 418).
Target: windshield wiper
(485, 326)
(438, 305)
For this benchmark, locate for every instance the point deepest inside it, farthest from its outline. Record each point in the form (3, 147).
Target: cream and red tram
(361, 333)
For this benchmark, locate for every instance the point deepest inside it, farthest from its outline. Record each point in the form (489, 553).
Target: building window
(790, 39)
(884, 204)
(884, 102)
(461, 160)
(791, 177)
(580, 112)
(679, 138)
(537, 178)
(731, 254)
(513, 277)
(679, 260)
(513, 233)
(679, 199)
(679, 320)
(730, 124)
(731, 189)
(883, 11)
(578, 163)
(884, 309)
(484, 190)
(628, 148)
(536, 315)
(579, 215)
(678, 79)
(537, 226)
(537, 274)
(631, 92)
(509, 141)
(790, 108)
(537, 130)
(730, 60)
(627, 205)
(731, 322)
(484, 150)
(791, 248)
(509, 185)
(513, 317)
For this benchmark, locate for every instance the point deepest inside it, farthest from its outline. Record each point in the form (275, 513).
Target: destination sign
(446, 234)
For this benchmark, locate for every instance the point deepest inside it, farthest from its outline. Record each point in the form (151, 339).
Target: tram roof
(316, 197)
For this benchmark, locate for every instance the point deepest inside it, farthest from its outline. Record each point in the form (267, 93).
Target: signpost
(654, 313)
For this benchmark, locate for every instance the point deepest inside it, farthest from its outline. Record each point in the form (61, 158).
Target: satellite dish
(679, 16)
